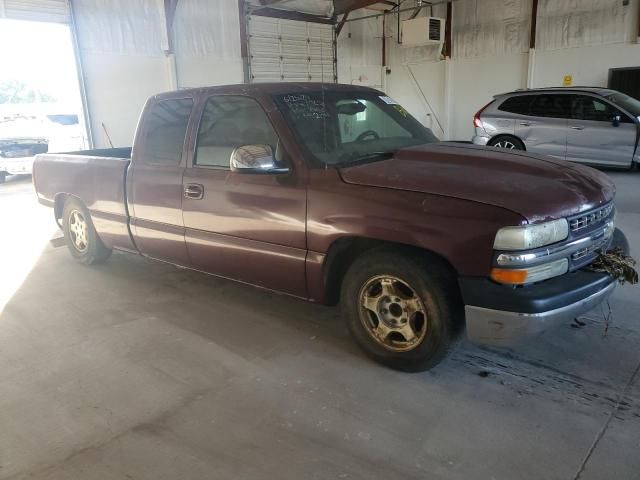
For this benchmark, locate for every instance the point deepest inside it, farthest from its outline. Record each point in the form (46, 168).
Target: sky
(41, 55)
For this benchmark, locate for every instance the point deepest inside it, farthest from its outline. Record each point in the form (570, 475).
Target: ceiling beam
(344, 6)
(290, 15)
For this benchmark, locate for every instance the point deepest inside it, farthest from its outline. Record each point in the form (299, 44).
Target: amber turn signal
(514, 277)
(536, 273)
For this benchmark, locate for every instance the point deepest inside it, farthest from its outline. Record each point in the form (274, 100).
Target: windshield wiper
(367, 157)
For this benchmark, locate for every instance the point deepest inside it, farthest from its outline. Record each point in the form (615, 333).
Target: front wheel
(80, 235)
(404, 312)
(507, 142)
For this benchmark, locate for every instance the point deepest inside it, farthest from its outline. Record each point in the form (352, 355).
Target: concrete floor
(138, 370)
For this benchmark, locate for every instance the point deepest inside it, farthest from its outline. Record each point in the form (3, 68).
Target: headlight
(522, 276)
(531, 236)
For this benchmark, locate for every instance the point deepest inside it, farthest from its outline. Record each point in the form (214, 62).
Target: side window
(552, 106)
(590, 108)
(518, 104)
(229, 122)
(165, 128)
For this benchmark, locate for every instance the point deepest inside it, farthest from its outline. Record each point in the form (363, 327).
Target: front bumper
(501, 315)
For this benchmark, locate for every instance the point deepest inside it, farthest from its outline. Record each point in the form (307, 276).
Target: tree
(15, 91)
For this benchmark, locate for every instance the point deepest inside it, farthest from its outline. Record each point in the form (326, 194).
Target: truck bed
(98, 179)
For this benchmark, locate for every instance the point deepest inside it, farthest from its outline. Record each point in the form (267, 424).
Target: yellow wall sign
(567, 81)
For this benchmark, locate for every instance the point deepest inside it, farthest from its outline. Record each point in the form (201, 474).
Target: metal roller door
(290, 50)
(55, 11)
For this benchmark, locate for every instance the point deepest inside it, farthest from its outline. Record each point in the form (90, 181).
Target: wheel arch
(60, 201)
(344, 251)
(507, 135)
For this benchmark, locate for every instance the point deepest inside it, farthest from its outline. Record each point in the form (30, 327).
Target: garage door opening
(284, 50)
(40, 100)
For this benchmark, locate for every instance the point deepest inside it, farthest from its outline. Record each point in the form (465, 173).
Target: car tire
(3, 177)
(80, 235)
(507, 143)
(402, 291)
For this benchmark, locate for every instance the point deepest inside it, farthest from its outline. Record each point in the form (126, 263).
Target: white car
(17, 154)
(590, 125)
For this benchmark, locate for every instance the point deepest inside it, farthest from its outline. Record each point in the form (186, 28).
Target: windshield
(344, 128)
(626, 102)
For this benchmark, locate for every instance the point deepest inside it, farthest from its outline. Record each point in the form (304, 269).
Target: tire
(3, 177)
(400, 290)
(80, 235)
(507, 142)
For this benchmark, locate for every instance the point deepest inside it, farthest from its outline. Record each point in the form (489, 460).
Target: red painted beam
(534, 22)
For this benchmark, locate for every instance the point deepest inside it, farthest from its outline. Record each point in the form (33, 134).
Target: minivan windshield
(626, 102)
(349, 127)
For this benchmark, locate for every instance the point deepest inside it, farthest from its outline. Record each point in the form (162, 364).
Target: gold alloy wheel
(78, 231)
(392, 313)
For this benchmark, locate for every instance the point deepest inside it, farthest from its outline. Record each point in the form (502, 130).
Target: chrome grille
(597, 245)
(583, 252)
(590, 218)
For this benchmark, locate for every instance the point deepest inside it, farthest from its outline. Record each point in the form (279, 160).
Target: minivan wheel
(403, 313)
(508, 143)
(80, 235)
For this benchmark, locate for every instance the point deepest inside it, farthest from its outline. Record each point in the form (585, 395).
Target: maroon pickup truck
(334, 193)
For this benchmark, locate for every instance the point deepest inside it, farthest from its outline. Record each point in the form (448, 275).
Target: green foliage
(15, 91)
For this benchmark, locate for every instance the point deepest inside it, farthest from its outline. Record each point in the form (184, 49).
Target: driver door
(249, 227)
(595, 136)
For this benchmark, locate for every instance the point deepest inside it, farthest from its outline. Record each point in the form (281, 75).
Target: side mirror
(616, 120)
(255, 159)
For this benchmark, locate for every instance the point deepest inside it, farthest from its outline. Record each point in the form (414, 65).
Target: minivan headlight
(526, 237)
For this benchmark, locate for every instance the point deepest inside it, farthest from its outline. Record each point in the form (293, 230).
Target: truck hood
(537, 187)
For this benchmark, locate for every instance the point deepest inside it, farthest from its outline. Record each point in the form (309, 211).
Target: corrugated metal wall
(122, 46)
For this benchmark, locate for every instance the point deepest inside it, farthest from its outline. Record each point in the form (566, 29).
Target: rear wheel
(402, 312)
(80, 235)
(507, 142)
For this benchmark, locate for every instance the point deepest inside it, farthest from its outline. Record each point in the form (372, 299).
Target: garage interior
(136, 369)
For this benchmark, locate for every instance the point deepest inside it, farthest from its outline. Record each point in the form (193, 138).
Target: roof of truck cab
(265, 88)
(595, 90)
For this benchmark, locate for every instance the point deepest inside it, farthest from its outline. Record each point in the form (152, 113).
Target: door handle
(576, 127)
(525, 124)
(194, 191)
